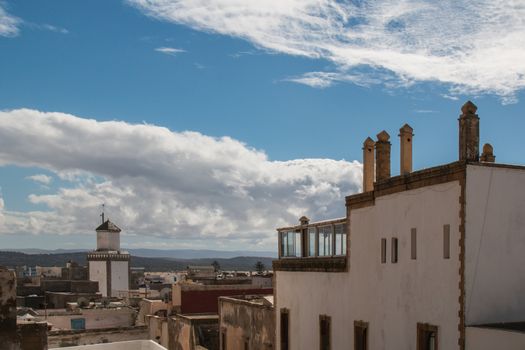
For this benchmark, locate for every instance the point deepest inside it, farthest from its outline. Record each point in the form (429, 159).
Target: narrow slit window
(285, 320)
(383, 250)
(413, 244)
(324, 332)
(446, 241)
(394, 250)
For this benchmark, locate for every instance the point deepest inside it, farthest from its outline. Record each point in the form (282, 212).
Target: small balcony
(315, 247)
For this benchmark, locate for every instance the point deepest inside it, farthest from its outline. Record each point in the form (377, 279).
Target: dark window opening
(383, 250)
(427, 337)
(360, 335)
(413, 244)
(324, 332)
(446, 241)
(285, 343)
(394, 250)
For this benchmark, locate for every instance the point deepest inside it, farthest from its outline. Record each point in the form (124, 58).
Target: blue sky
(293, 90)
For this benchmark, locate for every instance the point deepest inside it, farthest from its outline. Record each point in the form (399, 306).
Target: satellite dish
(165, 294)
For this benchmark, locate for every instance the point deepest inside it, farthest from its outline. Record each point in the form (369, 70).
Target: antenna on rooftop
(102, 215)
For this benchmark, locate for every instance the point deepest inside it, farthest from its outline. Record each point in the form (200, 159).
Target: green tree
(259, 267)
(216, 265)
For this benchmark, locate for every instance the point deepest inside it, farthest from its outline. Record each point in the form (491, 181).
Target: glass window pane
(340, 240)
(311, 241)
(291, 242)
(325, 240)
(298, 245)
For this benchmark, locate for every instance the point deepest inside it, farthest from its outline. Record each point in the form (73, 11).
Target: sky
(206, 124)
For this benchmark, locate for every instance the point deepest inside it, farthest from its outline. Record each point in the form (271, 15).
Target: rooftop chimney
(406, 136)
(488, 154)
(469, 133)
(368, 165)
(382, 156)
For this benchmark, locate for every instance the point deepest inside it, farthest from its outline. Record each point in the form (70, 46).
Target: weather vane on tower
(102, 215)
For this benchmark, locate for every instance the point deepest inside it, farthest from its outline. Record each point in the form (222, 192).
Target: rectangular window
(427, 337)
(360, 335)
(340, 239)
(312, 232)
(446, 241)
(325, 240)
(413, 244)
(383, 250)
(285, 342)
(324, 332)
(290, 244)
(394, 250)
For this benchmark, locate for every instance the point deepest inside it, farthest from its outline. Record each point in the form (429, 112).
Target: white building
(431, 259)
(108, 264)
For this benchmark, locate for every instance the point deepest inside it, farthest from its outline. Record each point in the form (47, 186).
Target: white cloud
(52, 28)
(167, 184)
(472, 46)
(41, 178)
(169, 50)
(9, 25)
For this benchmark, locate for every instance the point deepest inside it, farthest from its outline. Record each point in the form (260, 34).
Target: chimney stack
(488, 154)
(469, 133)
(382, 156)
(368, 164)
(406, 136)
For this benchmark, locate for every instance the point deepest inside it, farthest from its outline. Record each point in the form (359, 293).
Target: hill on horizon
(161, 253)
(13, 259)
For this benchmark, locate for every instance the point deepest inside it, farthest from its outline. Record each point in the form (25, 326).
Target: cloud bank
(471, 46)
(163, 183)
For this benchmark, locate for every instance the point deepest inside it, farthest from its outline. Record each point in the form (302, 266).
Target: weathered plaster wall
(246, 323)
(96, 318)
(8, 339)
(490, 339)
(392, 297)
(495, 245)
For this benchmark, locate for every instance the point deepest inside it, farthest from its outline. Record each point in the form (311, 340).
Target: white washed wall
(495, 245)
(393, 298)
(119, 276)
(97, 272)
(491, 339)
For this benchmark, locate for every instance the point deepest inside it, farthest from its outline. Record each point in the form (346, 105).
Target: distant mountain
(12, 259)
(198, 254)
(162, 253)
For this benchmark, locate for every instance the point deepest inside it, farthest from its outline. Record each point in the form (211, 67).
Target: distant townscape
(426, 259)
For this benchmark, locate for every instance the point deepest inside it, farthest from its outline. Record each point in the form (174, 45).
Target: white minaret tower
(108, 264)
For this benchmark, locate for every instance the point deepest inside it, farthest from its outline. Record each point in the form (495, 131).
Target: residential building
(423, 260)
